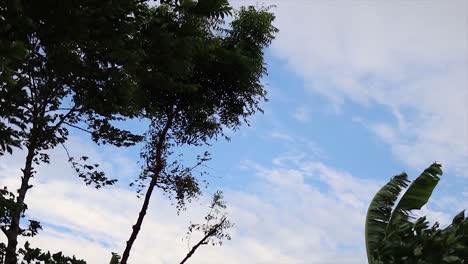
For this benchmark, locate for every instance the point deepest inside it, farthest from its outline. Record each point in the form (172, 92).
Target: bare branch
(59, 123)
(70, 158)
(64, 109)
(77, 127)
(66, 151)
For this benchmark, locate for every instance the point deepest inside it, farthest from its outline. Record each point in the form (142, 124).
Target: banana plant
(384, 219)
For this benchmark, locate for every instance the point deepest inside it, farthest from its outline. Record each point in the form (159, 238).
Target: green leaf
(418, 251)
(9, 150)
(379, 212)
(417, 194)
(451, 259)
(458, 218)
(115, 258)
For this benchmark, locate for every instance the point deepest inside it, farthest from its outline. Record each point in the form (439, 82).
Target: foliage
(115, 259)
(394, 236)
(420, 243)
(63, 57)
(210, 82)
(216, 219)
(36, 256)
(8, 205)
(85, 65)
(63, 65)
(215, 228)
(30, 255)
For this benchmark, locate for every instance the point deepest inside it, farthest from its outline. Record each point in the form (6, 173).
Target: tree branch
(66, 151)
(59, 123)
(204, 241)
(77, 127)
(157, 171)
(70, 158)
(63, 109)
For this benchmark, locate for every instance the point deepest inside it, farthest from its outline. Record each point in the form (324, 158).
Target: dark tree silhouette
(86, 64)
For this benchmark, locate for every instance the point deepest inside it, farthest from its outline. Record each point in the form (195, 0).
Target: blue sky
(358, 91)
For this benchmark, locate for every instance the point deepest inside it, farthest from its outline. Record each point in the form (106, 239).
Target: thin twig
(59, 123)
(77, 127)
(70, 158)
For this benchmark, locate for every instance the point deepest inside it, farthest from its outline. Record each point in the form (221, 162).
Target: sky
(358, 91)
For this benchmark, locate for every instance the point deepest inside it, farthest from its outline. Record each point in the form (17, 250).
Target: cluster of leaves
(36, 256)
(52, 53)
(216, 222)
(7, 205)
(89, 173)
(419, 243)
(393, 235)
(205, 81)
(214, 230)
(180, 183)
(115, 259)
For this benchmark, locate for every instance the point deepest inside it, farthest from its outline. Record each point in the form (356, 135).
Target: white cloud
(302, 211)
(407, 56)
(288, 220)
(281, 136)
(384, 131)
(302, 114)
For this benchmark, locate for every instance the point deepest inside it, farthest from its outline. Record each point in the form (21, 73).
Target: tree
(212, 84)
(83, 65)
(62, 65)
(394, 236)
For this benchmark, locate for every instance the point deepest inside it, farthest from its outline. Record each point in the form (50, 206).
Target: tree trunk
(159, 167)
(136, 228)
(10, 256)
(15, 230)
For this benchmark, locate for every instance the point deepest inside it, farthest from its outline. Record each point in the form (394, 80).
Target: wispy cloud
(281, 136)
(302, 114)
(299, 211)
(407, 57)
(288, 220)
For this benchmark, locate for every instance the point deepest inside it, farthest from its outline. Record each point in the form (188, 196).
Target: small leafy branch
(214, 229)
(36, 256)
(88, 172)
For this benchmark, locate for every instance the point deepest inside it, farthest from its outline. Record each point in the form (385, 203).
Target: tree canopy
(84, 65)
